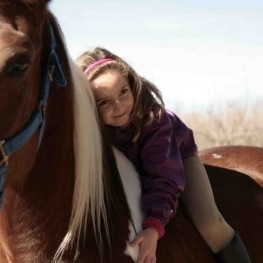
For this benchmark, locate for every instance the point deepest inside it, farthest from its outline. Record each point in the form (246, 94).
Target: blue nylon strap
(3, 172)
(18, 140)
(54, 60)
(59, 74)
(37, 120)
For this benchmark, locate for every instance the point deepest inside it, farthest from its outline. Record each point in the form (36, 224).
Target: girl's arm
(163, 143)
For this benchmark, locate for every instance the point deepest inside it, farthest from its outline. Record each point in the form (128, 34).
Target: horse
(66, 195)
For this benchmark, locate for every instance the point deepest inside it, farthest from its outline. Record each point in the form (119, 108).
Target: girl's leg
(200, 204)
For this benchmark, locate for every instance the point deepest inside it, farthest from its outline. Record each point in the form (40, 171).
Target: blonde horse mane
(88, 198)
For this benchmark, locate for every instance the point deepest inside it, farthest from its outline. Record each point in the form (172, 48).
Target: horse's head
(28, 61)
(21, 30)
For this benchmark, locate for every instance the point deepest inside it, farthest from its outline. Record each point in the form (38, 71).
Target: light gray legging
(200, 204)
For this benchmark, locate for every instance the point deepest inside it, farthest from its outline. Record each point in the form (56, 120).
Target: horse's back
(244, 159)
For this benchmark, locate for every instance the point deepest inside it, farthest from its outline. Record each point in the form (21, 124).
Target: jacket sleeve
(162, 168)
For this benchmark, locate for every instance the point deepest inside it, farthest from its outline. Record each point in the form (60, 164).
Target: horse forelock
(32, 8)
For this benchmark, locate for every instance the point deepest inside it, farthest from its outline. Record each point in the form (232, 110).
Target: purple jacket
(158, 155)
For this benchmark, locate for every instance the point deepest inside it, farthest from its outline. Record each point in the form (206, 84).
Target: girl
(163, 149)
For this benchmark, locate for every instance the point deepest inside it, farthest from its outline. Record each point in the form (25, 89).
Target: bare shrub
(232, 124)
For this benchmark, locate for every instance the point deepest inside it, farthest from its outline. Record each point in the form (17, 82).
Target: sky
(198, 53)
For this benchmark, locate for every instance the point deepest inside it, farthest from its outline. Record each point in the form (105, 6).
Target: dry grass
(233, 124)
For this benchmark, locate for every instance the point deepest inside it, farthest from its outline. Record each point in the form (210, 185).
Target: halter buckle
(51, 72)
(4, 156)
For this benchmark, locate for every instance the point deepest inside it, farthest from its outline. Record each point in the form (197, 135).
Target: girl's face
(113, 97)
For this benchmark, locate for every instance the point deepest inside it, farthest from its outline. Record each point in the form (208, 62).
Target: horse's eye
(21, 67)
(18, 67)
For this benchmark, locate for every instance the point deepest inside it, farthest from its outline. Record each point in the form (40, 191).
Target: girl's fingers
(142, 259)
(136, 241)
(147, 259)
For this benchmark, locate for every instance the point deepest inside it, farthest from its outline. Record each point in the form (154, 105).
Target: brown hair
(148, 102)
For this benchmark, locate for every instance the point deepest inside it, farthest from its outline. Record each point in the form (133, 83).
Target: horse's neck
(35, 215)
(6, 254)
(16, 225)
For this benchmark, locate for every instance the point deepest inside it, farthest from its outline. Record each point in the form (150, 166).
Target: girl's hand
(147, 241)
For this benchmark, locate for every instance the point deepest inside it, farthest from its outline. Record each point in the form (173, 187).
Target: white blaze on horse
(62, 198)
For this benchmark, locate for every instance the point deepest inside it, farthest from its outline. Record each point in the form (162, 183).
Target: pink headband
(99, 62)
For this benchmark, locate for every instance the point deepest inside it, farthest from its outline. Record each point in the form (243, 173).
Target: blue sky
(196, 52)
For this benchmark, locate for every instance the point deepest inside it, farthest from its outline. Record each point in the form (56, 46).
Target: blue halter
(37, 120)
